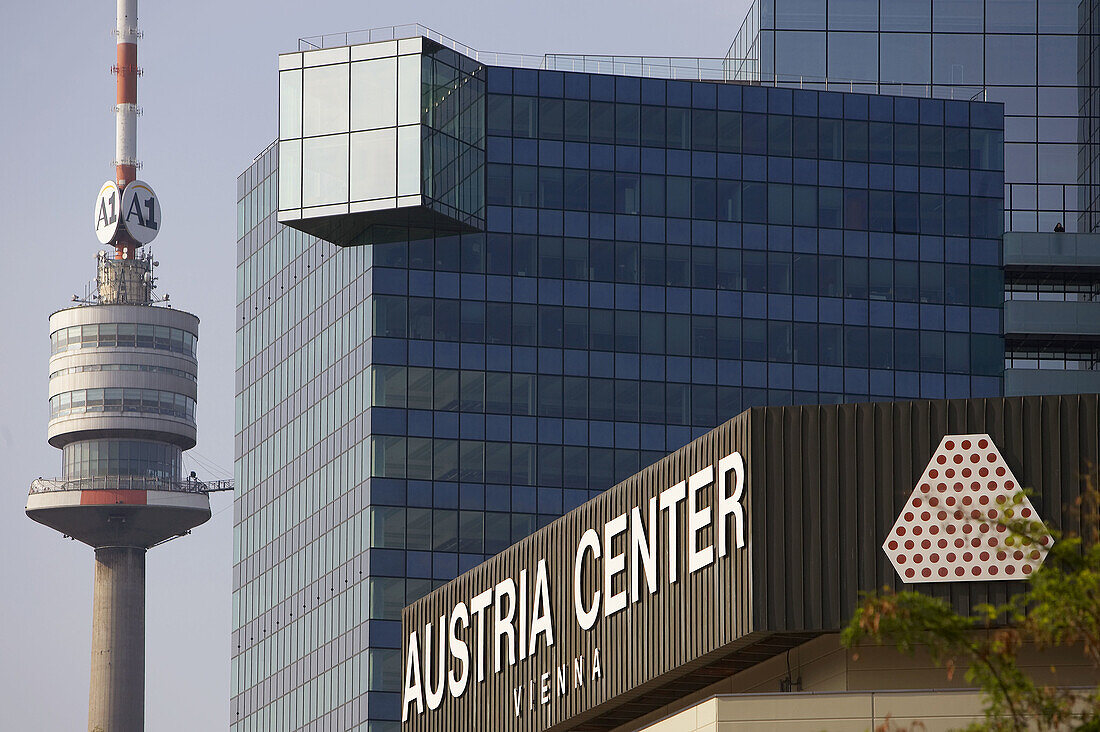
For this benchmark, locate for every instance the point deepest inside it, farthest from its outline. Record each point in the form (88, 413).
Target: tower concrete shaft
(116, 701)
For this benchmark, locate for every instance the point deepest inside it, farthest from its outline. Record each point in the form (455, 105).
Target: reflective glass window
(373, 164)
(1009, 59)
(1058, 60)
(906, 15)
(906, 58)
(324, 170)
(853, 56)
(1058, 16)
(326, 100)
(1010, 16)
(957, 59)
(408, 90)
(290, 104)
(799, 14)
(852, 15)
(957, 16)
(374, 94)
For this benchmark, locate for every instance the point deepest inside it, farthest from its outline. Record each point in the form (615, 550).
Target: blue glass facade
(1040, 58)
(1037, 57)
(657, 257)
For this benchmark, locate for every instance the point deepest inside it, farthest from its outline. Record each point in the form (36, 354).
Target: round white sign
(140, 212)
(107, 208)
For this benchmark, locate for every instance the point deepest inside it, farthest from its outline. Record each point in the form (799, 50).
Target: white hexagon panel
(952, 528)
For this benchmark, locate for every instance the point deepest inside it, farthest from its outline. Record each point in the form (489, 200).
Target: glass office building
(1041, 59)
(1038, 57)
(532, 284)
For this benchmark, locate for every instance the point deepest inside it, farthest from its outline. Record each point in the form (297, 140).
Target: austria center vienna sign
(629, 558)
(749, 541)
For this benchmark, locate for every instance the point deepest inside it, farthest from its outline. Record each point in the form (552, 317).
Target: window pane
(408, 90)
(906, 58)
(799, 13)
(853, 14)
(373, 164)
(957, 59)
(957, 15)
(290, 104)
(1011, 16)
(1010, 60)
(1058, 16)
(1058, 60)
(325, 170)
(853, 56)
(408, 160)
(374, 94)
(799, 54)
(290, 174)
(325, 106)
(906, 15)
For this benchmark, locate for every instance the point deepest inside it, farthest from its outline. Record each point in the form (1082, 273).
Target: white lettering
(413, 689)
(459, 650)
(613, 564)
(731, 505)
(502, 623)
(578, 672)
(643, 550)
(478, 606)
(698, 520)
(517, 693)
(563, 673)
(590, 541)
(597, 669)
(670, 499)
(434, 695)
(521, 614)
(542, 622)
(544, 689)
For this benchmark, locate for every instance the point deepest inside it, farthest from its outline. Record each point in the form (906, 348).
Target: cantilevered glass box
(379, 137)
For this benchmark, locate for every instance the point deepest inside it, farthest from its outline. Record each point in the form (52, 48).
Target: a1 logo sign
(140, 212)
(107, 208)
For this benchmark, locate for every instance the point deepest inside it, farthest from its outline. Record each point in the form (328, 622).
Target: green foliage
(1059, 607)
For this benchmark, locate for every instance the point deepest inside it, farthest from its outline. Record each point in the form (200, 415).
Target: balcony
(1030, 253)
(1021, 382)
(1043, 321)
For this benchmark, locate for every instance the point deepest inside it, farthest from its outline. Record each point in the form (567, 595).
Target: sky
(209, 97)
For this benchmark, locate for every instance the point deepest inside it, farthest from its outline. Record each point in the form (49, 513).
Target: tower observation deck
(122, 393)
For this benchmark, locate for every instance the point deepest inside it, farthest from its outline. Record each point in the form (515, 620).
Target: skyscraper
(1041, 59)
(474, 294)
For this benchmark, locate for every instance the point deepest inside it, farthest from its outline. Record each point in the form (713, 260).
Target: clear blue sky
(209, 94)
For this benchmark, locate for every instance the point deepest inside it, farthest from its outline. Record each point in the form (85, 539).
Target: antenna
(127, 211)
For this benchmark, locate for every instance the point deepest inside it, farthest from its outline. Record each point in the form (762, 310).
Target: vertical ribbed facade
(823, 486)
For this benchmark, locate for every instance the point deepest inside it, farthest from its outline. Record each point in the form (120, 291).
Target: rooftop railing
(128, 483)
(688, 68)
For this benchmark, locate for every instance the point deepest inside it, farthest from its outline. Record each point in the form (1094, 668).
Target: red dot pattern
(949, 530)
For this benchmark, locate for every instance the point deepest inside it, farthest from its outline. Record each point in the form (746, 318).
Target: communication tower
(123, 386)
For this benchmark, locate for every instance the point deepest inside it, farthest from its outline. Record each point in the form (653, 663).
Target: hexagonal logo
(953, 527)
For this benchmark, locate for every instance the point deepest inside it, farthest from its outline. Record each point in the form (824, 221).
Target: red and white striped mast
(126, 72)
(127, 210)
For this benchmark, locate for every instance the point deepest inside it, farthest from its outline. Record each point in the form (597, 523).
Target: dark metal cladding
(823, 486)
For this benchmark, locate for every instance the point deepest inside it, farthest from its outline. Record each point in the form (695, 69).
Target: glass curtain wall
(657, 257)
(1037, 57)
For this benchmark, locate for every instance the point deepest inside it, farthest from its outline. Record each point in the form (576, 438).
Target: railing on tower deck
(129, 482)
